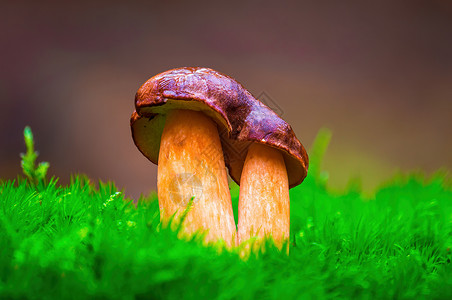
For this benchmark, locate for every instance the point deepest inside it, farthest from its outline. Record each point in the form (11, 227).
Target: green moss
(86, 241)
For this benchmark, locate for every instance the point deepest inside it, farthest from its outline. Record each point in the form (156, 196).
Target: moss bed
(86, 241)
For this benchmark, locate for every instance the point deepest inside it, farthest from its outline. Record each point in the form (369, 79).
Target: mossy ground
(85, 241)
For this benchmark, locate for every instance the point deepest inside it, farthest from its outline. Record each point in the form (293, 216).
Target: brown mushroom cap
(241, 118)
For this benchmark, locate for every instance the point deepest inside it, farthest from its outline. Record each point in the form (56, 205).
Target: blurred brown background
(378, 75)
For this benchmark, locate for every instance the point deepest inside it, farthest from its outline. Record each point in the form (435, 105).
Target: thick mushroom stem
(264, 205)
(191, 164)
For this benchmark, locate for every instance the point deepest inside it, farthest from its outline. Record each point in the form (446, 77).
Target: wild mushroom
(187, 120)
(274, 162)
(175, 126)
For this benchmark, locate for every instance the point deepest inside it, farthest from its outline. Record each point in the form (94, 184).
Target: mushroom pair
(195, 122)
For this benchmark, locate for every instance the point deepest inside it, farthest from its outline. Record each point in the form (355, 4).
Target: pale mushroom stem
(264, 205)
(191, 164)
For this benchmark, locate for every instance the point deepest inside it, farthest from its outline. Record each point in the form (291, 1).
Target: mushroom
(193, 122)
(274, 162)
(175, 126)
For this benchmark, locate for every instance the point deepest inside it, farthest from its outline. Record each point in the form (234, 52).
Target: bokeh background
(379, 75)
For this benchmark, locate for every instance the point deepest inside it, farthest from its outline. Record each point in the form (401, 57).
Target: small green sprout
(35, 174)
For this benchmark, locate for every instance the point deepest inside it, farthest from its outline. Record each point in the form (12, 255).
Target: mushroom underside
(148, 124)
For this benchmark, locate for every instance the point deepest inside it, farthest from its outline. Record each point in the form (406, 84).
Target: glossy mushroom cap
(241, 118)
